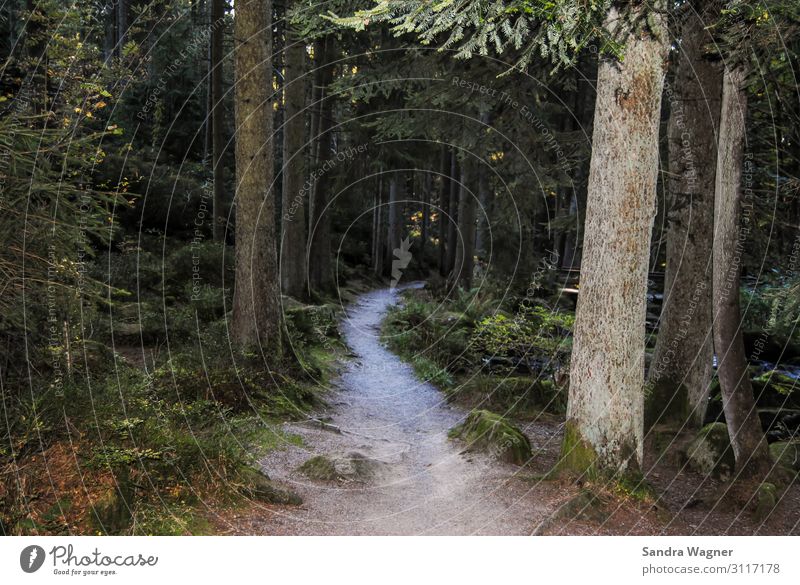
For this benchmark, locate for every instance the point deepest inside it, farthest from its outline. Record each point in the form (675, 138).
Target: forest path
(397, 471)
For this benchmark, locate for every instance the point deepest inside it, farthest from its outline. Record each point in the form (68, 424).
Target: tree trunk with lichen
(604, 425)
(731, 227)
(680, 371)
(256, 307)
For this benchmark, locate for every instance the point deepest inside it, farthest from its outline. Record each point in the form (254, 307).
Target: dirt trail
(394, 427)
(399, 474)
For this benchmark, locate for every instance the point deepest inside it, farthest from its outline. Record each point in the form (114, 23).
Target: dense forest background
(194, 190)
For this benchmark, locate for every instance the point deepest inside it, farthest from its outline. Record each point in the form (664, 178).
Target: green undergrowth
(503, 357)
(141, 446)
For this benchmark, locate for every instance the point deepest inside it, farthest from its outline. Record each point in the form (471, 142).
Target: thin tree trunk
(452, 225)
(680, 372)
(427, 183)
(122, 25)
(485, 197)
(444, 209)
(604, 426)
(393, 228)
(465, 248)
(217, 116)
(482, 237)
(256, 314)
(569, 251)
(293, 244)
(744, 428)
(377, 249)
(320, 271)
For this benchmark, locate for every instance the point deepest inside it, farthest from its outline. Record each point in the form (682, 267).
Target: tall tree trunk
(744, 428)
(377, 237)
(320, 271)
(569, 251)
(122, 25)
(217, 116)
(604, 426)
(36, 47)
(680, 371)
(427, 184)
(452, 224)
(485, 196)
(393, 228)
(293, 244)
(256, 307)
(444, 209)
(465, 249)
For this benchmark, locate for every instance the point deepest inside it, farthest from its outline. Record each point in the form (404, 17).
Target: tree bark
(680, 372)
(320, 271)
(444, 209)
(377, 235)
(731, 228)
(452, 223)
(293, 243)
(427, 183)
(394, 231)
(217, 116)
(465, 248)
(122, 26)
(604, 427)
(485, 196)
(256, 314)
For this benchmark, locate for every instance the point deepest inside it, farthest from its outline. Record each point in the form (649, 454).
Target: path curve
(396, 426)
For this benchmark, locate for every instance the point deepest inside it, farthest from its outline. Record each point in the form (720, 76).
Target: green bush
(535, 329)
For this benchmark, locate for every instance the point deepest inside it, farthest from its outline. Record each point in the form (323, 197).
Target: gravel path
(399, 473)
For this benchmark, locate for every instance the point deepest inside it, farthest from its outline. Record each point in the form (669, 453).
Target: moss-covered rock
(258, 486)
(786, 454)
(766, 500)
(492, 433)
(777, 389)
(710, 453)
(352, 466)
(319, 467)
